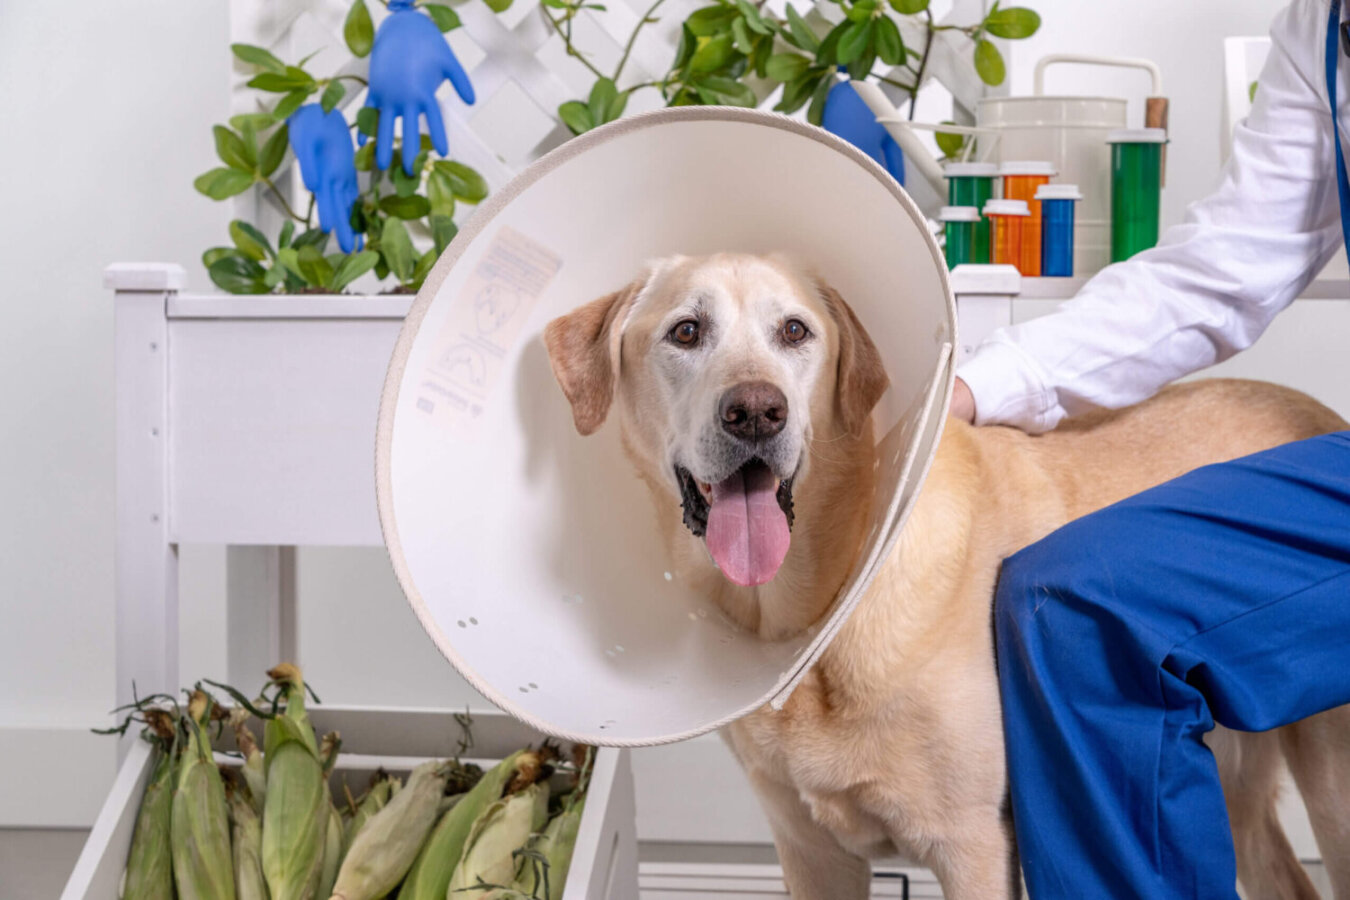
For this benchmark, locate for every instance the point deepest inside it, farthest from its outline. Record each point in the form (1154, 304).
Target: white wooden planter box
(604, 864)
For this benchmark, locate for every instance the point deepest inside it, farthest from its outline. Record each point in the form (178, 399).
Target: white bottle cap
(1028, 167)
(970, 170)
(1137, 136)
(959, 214)
(1058, 192)
(1007, 208)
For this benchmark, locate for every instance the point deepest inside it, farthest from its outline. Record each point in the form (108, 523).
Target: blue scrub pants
(1222, 596)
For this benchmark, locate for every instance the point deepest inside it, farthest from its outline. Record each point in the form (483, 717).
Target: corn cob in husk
(295, 820)
(199, 833)
(501, 830)
(375, 799)
(332, 853)
(387, 846)
(246, 830)
(431, 873)
(254, 774)
(150, 865)
(545, 878)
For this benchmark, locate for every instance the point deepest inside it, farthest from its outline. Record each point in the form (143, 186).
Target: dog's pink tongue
(747, 533)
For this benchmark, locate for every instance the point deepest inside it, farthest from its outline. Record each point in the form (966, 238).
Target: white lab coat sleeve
(1213, 283)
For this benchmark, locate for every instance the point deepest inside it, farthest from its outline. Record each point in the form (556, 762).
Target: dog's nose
(753, 411)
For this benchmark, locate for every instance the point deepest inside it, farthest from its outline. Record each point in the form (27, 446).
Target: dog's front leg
(978, 861)
(815, 867)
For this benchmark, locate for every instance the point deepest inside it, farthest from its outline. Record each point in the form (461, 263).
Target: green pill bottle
(972, 184)
(960, 224)
(1136, 189)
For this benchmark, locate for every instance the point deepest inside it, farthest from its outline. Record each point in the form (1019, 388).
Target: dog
(743, 387)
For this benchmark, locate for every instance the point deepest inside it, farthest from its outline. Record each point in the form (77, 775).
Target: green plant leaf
(909, 7)
(713, 54)
(815, 114)
(259, 57)
(414, 207)
(288, 258)
(273, 152)
(397, 249)
(358, 31)
(406, 185)
(752, 18)
(498, 6)
(861, 67)
(250, 241)
(284, 239)
(576, 116)
(314, 237)
(989, 63)
(855, 41)
(352, 267)
(368, 120)
(798, 91)
(950, 144)
(446, 19)
(862, 11)
(1251, 92)
(283, 82)
(216, 253)
(254, 122)
(465, 182)
(890, 46)
(740, 36)
(291, 102)
(709, 20)
(828, 54)
(719, 90)
(314, 268)
(232, 150)
(440, 194)
(422, 269)
(332, 96)
(218, 184)
(273, 277)
(801, 31)
(603, 93)
(787, 66)
(443, 231)
(1013, 23)
(238, 274)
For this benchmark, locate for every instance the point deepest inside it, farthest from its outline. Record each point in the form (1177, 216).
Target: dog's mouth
(745, 519)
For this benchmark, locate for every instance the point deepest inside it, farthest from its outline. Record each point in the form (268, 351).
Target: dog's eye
(685, 332)
(794, 331)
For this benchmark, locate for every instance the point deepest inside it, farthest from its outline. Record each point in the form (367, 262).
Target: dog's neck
(831, 503)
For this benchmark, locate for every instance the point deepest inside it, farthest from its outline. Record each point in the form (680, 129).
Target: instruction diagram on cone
(483, 325)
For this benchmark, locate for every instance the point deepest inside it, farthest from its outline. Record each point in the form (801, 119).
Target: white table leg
(261, 614)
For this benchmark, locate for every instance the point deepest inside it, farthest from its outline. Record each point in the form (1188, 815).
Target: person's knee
(1037, 581)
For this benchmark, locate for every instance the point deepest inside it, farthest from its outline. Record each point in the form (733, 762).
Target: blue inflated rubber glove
(409, 61)
(323, 145)
(847, 116)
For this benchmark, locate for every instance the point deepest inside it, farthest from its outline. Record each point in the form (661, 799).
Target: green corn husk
(502, 829)
(387, 846)
(376, 799)
(254, 774)
(295, 820)
(332, 853)
(555, 845)
(246, 829)
(199, 832)
(430, 875)
(150, 865)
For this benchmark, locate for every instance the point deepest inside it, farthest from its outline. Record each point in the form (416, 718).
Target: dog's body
(893, 742)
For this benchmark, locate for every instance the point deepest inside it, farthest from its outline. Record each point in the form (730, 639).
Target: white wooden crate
(604, 863)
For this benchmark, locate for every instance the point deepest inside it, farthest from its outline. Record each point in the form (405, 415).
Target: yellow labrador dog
(743, 389)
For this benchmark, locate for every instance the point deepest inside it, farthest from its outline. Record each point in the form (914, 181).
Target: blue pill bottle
(1057, 215)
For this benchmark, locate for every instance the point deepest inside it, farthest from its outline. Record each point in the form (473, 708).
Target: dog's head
(724, 369)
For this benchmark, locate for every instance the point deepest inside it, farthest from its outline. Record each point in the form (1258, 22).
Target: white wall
(106, 109)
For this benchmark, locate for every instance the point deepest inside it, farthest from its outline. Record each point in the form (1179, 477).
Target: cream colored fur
(893, 742)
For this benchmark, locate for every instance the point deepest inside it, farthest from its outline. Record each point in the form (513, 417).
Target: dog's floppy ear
(583, 349)
(861, 377)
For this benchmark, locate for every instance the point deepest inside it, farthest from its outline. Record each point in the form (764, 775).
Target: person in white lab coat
(1223, 596)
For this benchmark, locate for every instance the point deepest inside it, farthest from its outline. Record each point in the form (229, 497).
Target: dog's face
(725, 369)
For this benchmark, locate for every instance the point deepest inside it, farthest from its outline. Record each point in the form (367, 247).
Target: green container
(961, 225)
(1136, 189)
(972, 184)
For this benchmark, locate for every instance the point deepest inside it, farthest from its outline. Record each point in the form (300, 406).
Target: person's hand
(408, 62)
(323, 145)
(963, 403)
